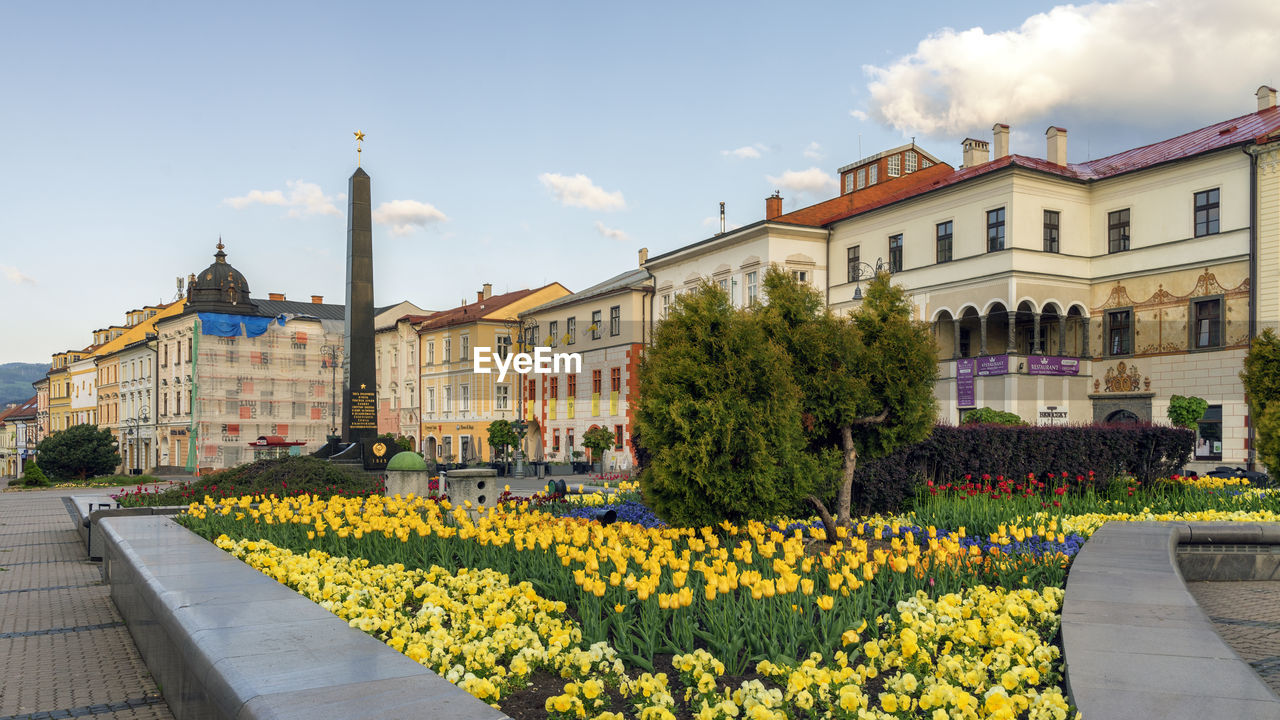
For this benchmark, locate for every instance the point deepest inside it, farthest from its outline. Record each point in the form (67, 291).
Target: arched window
(1123, 416)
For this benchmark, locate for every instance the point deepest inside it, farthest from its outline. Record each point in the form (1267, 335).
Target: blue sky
(521, 143)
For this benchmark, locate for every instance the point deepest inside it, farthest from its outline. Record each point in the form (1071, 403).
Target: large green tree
(866, 377)
(79, 452)
(720, 416)
(599, 440)
(1261, 378)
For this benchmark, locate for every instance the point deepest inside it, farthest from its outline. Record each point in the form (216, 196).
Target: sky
(524, 143)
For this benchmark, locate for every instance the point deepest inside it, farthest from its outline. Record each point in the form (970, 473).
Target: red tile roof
(1228, 133)
(471, 312)
(21, 410)
(854, 202)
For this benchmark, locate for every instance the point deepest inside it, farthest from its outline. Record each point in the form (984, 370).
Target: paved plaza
(64, 651)
(1247, 616)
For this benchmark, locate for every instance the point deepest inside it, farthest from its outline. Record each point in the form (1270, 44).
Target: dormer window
(912, 159)
(862, 178)
(895, 165)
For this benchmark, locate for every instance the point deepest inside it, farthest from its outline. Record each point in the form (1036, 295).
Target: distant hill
(16, 379)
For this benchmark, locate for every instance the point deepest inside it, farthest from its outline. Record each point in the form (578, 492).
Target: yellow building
(458, 403)
(60, 389)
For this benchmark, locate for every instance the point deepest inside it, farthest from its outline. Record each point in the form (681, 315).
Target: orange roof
(471, 312)
(1246, 129)
(854, 202)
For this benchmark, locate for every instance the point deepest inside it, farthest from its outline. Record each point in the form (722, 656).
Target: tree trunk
(844, 498)
(828, 523)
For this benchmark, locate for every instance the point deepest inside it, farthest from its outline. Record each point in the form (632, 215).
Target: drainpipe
(1251, 151)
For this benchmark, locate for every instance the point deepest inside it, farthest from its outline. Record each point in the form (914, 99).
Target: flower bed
(550, 615)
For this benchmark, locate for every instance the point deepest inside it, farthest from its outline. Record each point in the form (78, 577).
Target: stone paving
(1247, 616)
(64, 651)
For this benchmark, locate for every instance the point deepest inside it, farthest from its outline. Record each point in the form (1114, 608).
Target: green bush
(292, 475)
(991, 416)
(33, 476)
(1185, 412)
(1261, 378)
(79, 452)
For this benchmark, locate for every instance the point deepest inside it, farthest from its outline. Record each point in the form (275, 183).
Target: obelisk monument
(360, 411)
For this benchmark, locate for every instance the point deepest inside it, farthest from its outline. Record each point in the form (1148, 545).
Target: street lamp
(331, 353)
(134, 433)
(857, 274)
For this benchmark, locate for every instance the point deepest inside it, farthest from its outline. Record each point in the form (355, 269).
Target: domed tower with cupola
(219, 288)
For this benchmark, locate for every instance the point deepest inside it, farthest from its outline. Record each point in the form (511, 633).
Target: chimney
(644, 256)
(1056, 145)
(773, 205)
(722, 218)
(1266, 97)
(1000, 136)
(317, 299)
(275, 296)
(975, 151)
(479, 296)
(488, 290)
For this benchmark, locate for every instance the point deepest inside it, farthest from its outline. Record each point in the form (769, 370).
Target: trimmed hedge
(1146, 452)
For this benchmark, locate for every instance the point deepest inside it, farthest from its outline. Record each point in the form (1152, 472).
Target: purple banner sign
(993, 365)
(964, 382)
(1039, 365)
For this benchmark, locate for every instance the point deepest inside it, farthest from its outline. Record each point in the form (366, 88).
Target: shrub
(1261, 378)
(79, 452)
(1147, 452)
(1186, 411)
(33, 476)
(991, 416)
(282, 476)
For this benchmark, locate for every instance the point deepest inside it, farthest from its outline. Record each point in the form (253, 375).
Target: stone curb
(1136, 643)
(225, 641)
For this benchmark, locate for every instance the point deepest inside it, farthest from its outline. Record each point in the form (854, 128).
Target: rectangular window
(617, 437)
(944, 241)
(873, 174)
(666, 305)
(1120, 332)
(448, 349)
(431, 400)
(615, 379)
(1207, 212)
(895, 253)
(615, 320)
(1051, 218)
(431, 352)
(502, 397)
(801, 276)
(555, 388)
(1118, 230)
(555, 440)
(848, 182)
(995, 230)
(911, 161)
(466, 348)
(595, 382)
(855, 259)
(568, 439)
(553, 333)
(1206, 330)
(466, 398)
(573, 385)
(862, 178)
(1209, 434)
(895, 165)
(595, 325)
(570, 331)
(753, 288)
(502, 346)
(448, 399)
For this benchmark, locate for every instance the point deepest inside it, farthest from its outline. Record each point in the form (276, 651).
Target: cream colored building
(1063, 292)
(396, 361)
(608, 325)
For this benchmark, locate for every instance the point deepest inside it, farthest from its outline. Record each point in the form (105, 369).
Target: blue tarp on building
(224, 325)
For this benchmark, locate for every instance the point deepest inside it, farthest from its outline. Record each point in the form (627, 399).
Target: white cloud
(858, 115)
(15, 276)
(813, 181)
(579, 191)
(746, 152)
(303, 198)
(813, 151)
(406, 215)
(1137, 60)
(612, 233)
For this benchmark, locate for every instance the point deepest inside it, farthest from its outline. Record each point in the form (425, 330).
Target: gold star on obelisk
(359, 138)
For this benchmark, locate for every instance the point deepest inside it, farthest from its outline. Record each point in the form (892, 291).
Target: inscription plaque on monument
(364, 410)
